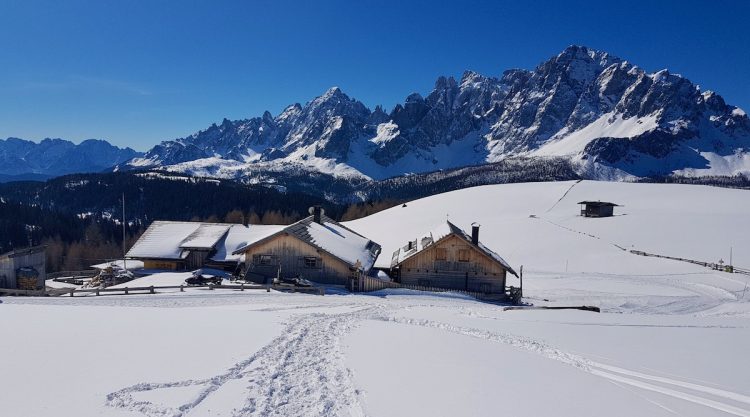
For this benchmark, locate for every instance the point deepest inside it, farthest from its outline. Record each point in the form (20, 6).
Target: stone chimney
(475, 233)
(317, 212)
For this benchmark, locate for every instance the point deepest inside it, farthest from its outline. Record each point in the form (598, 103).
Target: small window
(463, 255)
(266, 260)
(441, 254)
(311, 262)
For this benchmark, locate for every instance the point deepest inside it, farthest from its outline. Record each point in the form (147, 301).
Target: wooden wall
(480, 273)
(10, 264)
(160, 264)
(7, 273)
(290, 252)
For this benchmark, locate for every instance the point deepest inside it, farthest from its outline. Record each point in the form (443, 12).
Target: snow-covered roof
(440, 232)
(174, 240)
(239, 237)
(130, 264)
(334, 238)
(205, 236)
(163, 240)
(343, 243)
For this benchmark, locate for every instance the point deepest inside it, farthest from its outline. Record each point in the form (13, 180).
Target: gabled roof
(439, 233)
(598, 203)
(241, 236)
(331, 237)
(175, 240)
(164, 239)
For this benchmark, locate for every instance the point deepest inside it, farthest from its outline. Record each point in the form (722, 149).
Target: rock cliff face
(609, 117)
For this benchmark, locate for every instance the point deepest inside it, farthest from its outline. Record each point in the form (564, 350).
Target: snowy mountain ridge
(54, 157)
(610, 117)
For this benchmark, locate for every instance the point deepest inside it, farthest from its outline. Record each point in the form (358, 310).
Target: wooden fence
(152, 289)
(712, 265)
(369, 284)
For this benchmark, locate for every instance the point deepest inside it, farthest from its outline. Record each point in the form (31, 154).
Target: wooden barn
(597, 208)
(168, 245)
(316, 248)
(448, 257)
(24, 269)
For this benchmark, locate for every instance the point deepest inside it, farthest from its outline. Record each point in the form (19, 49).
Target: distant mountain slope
(607, 116)
(52, 157)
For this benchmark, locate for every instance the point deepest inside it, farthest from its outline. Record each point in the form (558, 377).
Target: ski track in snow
(301, 372)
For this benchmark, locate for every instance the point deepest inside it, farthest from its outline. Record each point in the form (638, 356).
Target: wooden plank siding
(289, 253)
(477, 272)
(162, 264)
(11, 262)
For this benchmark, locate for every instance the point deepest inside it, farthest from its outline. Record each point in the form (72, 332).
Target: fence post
(126, 290)
(242, 287)
(182, 288)
(152, 290)
(72, 291)
(97, 291)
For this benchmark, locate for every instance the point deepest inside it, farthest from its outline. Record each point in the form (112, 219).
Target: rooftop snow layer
(205, 236)
(343, 243)
(163, 240)
(240, 236)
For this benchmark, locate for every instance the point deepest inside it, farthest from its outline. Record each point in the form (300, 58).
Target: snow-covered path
(349, 355)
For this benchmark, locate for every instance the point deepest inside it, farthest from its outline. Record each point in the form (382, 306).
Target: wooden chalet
(316, 248)
(450, 258)
(24, 269)
(597, 208)
(168, 245)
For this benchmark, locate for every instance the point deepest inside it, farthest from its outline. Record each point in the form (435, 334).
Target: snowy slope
(695, 222)
(672, 338)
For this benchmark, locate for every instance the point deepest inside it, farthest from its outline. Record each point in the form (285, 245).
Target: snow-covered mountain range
(54, 157)
(611, 118)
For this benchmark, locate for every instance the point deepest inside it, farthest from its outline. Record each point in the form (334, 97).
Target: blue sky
(138, 72)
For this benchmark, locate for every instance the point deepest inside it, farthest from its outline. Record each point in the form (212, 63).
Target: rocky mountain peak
(583, 104)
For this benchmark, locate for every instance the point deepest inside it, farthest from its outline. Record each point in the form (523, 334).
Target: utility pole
(124, 265)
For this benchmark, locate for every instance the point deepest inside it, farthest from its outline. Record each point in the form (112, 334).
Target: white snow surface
(163, 240)
(672, 338)
(608, 125)
(205, 236)
(342, 243)
(733, 164)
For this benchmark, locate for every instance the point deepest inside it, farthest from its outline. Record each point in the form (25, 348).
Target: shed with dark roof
(597, 208)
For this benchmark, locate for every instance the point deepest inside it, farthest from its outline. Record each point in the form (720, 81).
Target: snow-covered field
(672, 339)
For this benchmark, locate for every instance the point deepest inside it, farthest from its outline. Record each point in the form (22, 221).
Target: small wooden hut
(597, 208)
(450, 258)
